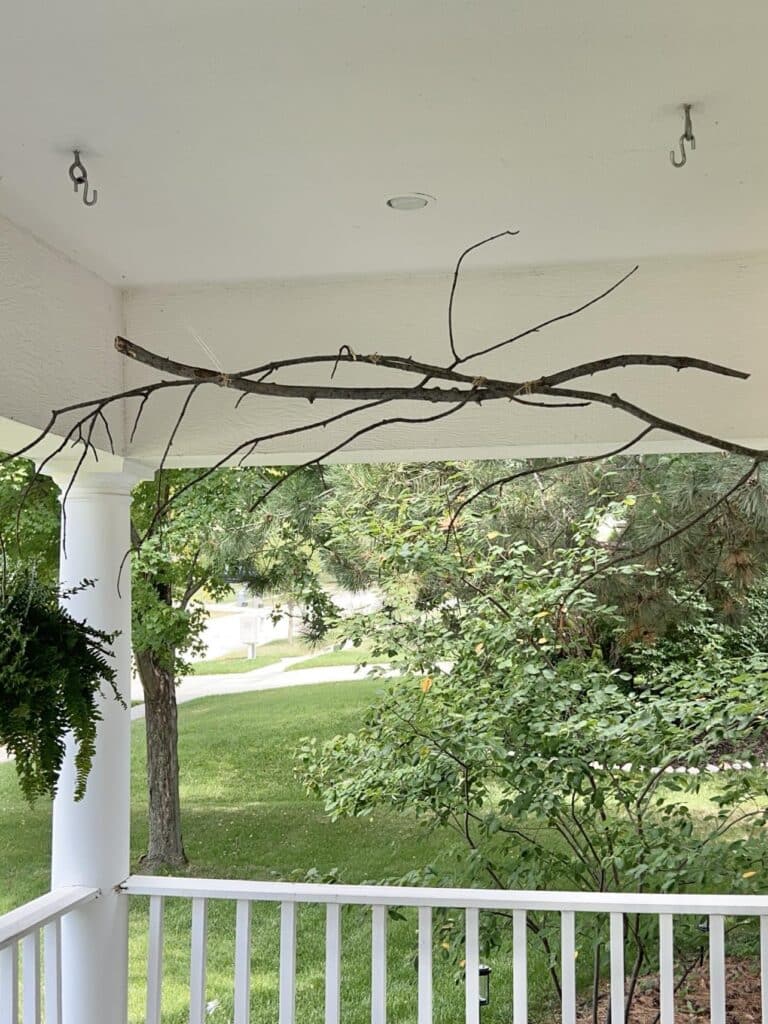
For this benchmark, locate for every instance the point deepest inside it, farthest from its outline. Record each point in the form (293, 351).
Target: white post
(91, 836)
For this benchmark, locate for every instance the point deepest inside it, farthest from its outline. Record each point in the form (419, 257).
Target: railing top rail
(31, 916)
(416, 896)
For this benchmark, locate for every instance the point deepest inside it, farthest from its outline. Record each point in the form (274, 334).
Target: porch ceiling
(249, 139)
(257, 143)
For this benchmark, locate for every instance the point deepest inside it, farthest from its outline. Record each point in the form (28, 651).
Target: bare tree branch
(335, 449)
(635, 554)
(247, 448)
(615, 401)
(580, 460)
(454, 283)
(552, 320)
(445, 385)
(481, 388)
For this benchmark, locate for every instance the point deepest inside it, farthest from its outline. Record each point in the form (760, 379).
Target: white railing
(25, 930)
(472, 902)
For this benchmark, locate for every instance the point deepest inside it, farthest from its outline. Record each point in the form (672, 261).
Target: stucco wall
(57, 324)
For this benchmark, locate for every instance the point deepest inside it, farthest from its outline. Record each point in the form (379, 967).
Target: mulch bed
(742, 997)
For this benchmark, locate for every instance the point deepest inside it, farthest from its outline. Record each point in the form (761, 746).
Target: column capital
(91, 479)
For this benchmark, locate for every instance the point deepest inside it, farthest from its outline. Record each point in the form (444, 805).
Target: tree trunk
(166, 847)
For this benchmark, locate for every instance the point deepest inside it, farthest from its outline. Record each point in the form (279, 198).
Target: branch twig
(445, 385)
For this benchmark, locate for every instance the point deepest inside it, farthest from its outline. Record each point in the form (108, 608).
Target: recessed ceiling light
(413, 201)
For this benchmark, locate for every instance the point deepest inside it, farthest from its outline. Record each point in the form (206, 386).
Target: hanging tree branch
(443, 385)
(481, 389)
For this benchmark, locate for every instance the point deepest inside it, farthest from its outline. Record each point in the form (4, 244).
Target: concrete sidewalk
(273, 677)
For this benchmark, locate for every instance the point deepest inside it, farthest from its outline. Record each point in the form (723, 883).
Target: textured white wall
(57, 325)
(714, 308)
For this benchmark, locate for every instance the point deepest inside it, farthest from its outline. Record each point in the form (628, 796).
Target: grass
(343, 656)
(229, 666)
(246, 817)
(269, 654)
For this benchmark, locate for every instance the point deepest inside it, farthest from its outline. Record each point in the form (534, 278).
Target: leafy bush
(52, 668)
(555, 767)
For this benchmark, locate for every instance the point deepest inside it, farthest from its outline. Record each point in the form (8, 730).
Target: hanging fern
(52, 669)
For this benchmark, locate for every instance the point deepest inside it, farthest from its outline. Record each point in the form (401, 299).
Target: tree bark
(166, 847)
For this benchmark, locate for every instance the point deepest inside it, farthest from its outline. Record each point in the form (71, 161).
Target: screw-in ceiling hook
(77, 172)
(687, 136)
(94, 195)
(79, 176)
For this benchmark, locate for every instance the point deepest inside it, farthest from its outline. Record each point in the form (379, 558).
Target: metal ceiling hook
(687, 136)
(94, 195)
(77, 171)
(79, 176)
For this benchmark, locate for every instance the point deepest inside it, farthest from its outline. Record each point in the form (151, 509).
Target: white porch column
(91, 837)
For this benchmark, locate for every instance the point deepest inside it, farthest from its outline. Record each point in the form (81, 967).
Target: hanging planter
(52, 670)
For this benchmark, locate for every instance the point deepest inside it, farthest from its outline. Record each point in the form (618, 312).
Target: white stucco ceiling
(243, 153)
(248, 139)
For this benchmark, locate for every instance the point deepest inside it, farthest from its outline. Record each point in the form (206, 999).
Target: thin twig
(549, 467)
(552, 320)
(454, 283)
(638, 553)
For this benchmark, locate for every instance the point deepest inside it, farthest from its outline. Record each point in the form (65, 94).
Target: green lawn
(246, 817)
(269, 654)
(227, 666)
(345, 656)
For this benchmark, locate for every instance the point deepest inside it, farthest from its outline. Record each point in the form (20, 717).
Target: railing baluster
(9, 984)
(425, 965)
(617, 968)
(52, 971)
(764, 967)
(379, 966)
(717, 969)
(287, 963)
(519, 967)
(332, 963)
(197, 960)
(243, 962)
(16, 928)
(472, 967)
(568, 964)
(666, 969)
(155, 960)
(30, 964)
